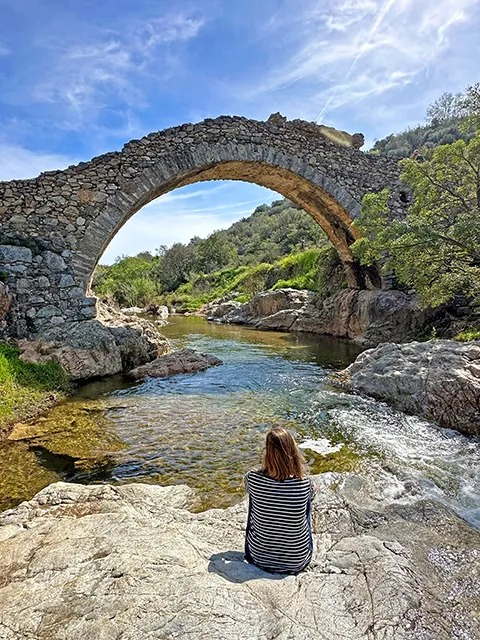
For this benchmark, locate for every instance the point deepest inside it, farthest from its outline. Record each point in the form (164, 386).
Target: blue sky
(82, 77)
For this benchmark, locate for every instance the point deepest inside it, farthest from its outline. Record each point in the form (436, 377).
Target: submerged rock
(184, 361)
(112, 344)
(438, 380)
(132, 562)
(368, 317)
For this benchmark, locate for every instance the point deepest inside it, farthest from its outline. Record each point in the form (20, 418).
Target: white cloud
(89, 76)
(17, 163)
(352, 50)
(4, 51)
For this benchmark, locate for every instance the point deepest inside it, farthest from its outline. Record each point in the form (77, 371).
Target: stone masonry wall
(54, 228)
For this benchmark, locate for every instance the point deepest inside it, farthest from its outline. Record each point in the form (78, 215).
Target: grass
(25, 389)
(468, 335)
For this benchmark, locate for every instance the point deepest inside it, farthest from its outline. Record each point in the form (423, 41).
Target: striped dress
(279, 536)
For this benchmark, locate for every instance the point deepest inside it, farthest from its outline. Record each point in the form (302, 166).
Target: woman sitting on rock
(279, 536)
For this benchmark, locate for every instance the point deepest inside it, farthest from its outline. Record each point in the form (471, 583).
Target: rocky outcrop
(368, 317)
(132, 562)
(159, 310)
(439, 380)
(184, 361)
(93, 348)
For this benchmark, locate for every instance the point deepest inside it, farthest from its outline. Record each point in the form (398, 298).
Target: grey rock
(5, 300)
(172, 364)
(10, 253)
(439, 380)
(66, 281)
(90, 348)
(133, 562)
(53, 261)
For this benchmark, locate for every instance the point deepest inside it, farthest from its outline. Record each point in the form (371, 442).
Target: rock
(215, 311)
(11, 253)
(92, 349)
(438, 380)
(159, 310)
(132, 562)
(5, 300)
(130, 311)
(268, 303)
(184, 361)
(368, 317)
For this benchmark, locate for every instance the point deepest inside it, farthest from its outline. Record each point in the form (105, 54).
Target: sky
(81, 77)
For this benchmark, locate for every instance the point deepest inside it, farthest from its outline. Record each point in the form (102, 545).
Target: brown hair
(282, 458)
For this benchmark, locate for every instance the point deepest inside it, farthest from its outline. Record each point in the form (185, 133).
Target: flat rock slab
(172, 364)
(132, 562)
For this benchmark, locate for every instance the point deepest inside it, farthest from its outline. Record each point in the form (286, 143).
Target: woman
(279, 536)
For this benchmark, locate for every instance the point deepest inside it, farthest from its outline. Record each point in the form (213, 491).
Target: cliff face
(368, 317)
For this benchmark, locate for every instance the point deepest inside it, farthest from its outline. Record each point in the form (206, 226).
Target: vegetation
(436, 249)
(277, 246)
(450, 118)
(468, 335)
(26, 388)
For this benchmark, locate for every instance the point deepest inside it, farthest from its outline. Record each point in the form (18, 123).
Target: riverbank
(369, 317)
(27, 390)
(133, 561)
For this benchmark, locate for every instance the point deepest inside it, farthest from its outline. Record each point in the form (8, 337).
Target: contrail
(382, 12)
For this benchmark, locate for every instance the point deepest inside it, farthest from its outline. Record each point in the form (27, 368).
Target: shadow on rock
(232, 566)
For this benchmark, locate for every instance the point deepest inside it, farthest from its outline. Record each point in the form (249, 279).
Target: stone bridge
(55, 228)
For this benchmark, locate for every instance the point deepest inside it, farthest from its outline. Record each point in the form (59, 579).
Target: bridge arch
(55, 228)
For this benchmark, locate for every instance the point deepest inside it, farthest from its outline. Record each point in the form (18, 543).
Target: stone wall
(54, 228)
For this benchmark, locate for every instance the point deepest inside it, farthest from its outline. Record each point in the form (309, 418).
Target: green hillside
(278, 245)
(451, 117)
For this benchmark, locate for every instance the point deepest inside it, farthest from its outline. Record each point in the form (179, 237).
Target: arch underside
(332, 217)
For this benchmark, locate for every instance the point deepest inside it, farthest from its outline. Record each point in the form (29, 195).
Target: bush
(468, 335)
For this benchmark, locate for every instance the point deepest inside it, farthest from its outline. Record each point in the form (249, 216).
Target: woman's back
(278, 534)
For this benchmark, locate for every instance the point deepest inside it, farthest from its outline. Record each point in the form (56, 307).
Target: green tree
(436, 249)
(213, 253)
(174, 267)
(447, 107)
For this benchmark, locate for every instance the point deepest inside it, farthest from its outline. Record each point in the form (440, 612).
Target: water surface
(206, 430)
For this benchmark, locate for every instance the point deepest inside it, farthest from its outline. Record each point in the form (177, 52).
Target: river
(206, 429)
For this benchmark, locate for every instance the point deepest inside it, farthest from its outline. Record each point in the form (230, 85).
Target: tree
(471, 104)
(447, 107)
(173, 268)
(213, 253)
(436, 249)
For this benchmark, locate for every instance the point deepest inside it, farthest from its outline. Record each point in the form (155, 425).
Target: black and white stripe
(279, 537)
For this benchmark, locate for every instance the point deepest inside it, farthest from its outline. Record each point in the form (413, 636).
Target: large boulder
(132, 562)
(184, 361)
(439, 380)
(95, 348)
(368, 317)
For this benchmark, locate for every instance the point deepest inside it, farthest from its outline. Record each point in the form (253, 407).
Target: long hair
(282, 458)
